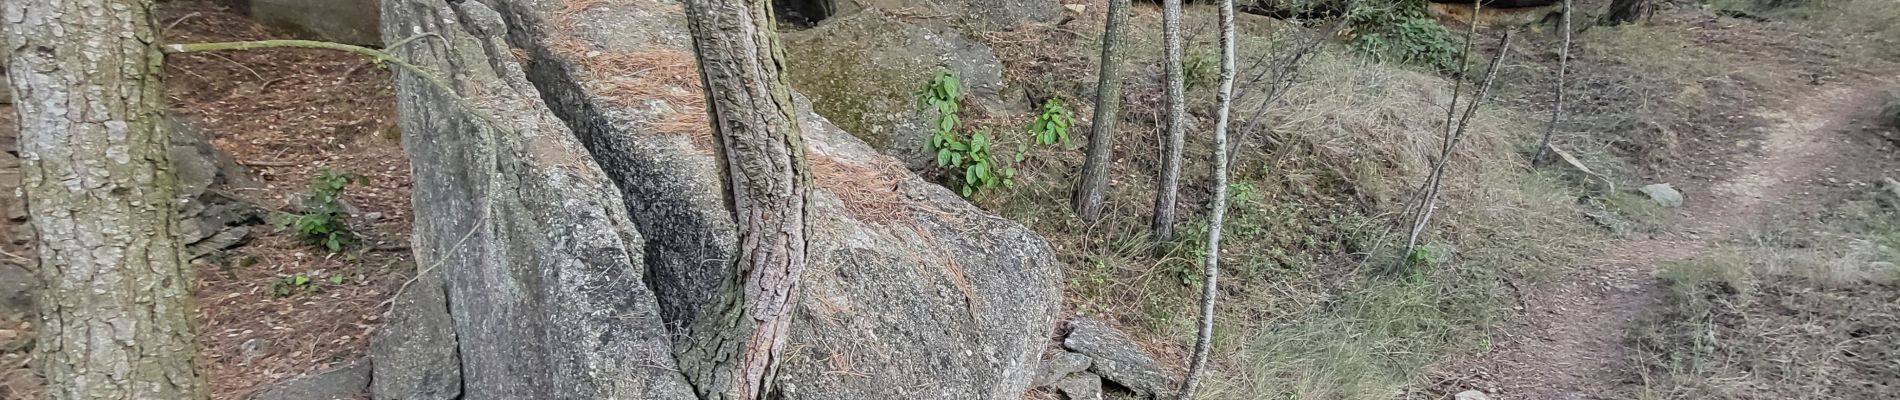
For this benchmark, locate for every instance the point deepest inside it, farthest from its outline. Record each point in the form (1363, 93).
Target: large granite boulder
(540, 266)
(584, 219)
(864, 71)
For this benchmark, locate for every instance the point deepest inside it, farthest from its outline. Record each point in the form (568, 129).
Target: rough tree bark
(116, 310)
(1625, 12)
(1557, 111)
(735, 349)
(1093, 189)
(1217, 212)
(1170, 180)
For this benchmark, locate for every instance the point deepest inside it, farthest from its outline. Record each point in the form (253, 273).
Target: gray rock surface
(599, 214)
(346, 21)
(1081, 386)
(347, 382)
(209, 220)
(415, 350)
(18, 293)
(863, 71)
(1059, 366)
(1663, 194)
(538, 259)
(1117, 358)
(980, 14)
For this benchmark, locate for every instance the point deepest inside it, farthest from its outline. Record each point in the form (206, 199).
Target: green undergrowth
(1804, 310)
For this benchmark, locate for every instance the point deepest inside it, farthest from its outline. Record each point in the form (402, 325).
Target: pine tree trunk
(1092, 191)
(735, 346)
(1625, 12)
(116, 310)
(1170, 180)
(1217, 212)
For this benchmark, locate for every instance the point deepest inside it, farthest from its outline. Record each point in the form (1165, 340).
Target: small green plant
(288, 285)
(1052, 126)
(323, 220)
(1401, 32)
(944, 95)
(1198, 70)
(980, 171)
(971, 156)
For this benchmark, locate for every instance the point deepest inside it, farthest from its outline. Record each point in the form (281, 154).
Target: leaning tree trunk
(734, 349)
(1093, 190)
(1625, 12)
(1170, 181)
(117, 306)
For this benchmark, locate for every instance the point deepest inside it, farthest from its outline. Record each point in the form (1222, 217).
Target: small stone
(253, 349)
(373, 216)
(350, 381)
(1472, 395)
(1663, 194)
(1060, 366)
(1081, 386)
(1117, 358)
(1077, 8)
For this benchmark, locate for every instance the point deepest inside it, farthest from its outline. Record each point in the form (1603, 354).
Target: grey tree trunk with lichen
(733, 349)
(116, 310)
(1092, 191)
(1170, 179)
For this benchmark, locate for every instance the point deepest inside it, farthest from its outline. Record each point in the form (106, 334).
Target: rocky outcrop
(582, 219)
(543, 282)
(864, 71)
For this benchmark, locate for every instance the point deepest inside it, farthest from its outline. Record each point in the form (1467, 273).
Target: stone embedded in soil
(1081, 386)
(347, 382)
(1472, 395)
(1118, 358)
(1663, 194)
(1060, 366)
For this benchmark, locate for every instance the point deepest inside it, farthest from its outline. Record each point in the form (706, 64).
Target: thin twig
(1557, 112)
(1429, 205)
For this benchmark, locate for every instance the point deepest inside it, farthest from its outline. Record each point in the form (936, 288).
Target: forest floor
(1802, 149)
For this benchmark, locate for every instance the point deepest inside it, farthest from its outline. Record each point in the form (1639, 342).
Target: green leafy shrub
(970, 158)
(323, 220)
(1401, 32)
(1198, 71)
(1052, 126)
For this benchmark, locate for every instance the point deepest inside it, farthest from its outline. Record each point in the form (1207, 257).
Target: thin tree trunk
(1556, 112)
(1429, 205)
(116, 309)
(1625, 12)
(1217, 211)
(735, 348)
(1092, 191)
(1170, 179)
